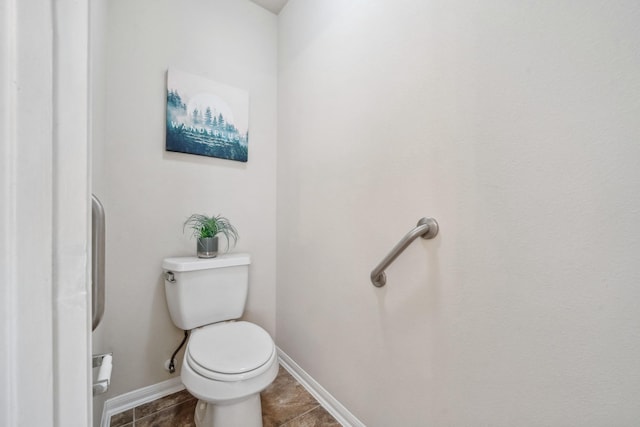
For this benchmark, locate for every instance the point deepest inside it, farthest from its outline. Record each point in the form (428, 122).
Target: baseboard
(138, 397)
(134, 398)
(328, 402)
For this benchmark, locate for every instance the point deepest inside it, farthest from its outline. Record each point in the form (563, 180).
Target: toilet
(227, 362)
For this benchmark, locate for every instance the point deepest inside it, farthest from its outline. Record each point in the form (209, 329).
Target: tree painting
(206, 118)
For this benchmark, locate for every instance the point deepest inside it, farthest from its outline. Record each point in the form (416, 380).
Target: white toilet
(227, 363)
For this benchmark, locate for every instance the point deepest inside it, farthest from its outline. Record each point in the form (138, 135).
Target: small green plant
(204, 226)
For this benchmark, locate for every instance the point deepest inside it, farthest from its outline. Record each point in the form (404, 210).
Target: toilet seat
(230, 351)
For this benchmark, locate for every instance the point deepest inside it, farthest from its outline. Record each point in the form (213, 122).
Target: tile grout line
(299, 415)
(135, 418)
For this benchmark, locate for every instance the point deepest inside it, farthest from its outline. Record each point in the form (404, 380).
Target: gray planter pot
(207, 247)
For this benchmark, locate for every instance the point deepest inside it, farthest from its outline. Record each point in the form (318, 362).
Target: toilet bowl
(227, 362)
(226, 366)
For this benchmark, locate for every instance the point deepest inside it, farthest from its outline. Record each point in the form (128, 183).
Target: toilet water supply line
(427, 228)
(172, 364)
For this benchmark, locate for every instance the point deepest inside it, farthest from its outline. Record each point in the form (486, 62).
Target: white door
(44, 214)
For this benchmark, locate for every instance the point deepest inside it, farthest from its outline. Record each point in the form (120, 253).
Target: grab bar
(427, 228)
(97, 261)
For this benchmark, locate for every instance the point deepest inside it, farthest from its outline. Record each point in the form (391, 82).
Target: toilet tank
(201, 291)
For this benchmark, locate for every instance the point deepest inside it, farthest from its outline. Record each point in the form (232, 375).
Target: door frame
(44, 214)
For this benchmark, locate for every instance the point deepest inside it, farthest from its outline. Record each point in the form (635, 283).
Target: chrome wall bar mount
(427, 228)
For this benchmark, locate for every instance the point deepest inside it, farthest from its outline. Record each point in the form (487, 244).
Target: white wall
(515, 125)
(148, 193)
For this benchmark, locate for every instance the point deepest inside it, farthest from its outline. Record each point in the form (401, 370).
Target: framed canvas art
(206, 118)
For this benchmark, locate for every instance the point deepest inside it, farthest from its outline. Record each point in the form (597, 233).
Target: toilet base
(245, 413)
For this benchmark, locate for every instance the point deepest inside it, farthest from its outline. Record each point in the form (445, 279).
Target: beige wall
(148, 193)
(515, 125)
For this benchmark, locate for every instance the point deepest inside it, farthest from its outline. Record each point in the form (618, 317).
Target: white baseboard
(138, 397)
(328, 402)
(134, 398)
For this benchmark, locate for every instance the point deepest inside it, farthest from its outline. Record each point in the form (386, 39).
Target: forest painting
(206, 118)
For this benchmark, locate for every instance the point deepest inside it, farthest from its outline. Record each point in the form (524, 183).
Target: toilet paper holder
(104, 362)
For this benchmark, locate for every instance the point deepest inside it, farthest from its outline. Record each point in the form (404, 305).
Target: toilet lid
(231, 348)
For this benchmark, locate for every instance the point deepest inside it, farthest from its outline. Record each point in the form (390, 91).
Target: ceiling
(274, 6)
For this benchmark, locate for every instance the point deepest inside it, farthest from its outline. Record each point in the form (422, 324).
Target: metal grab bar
(97, 261)
(427, 228)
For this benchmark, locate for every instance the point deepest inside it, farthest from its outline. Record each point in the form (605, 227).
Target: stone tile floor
(285, 403)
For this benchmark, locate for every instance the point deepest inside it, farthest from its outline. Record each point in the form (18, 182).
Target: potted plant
(206, 229)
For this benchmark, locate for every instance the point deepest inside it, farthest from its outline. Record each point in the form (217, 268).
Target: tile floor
(285, 403)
